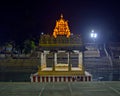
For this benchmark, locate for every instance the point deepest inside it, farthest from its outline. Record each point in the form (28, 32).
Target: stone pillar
(69, 66)
(55, 58)
(80, 58)
(80, 61)
(42, 58)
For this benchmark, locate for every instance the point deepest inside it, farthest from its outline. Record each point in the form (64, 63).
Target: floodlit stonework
(65, 53)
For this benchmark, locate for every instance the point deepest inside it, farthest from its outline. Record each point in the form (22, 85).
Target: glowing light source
(93, 34)
(42, 33)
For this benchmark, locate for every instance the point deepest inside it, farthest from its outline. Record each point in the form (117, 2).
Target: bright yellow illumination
(61, 28)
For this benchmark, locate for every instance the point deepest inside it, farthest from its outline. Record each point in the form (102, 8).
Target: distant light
(93, 34)
(92, 31)
(42, 33)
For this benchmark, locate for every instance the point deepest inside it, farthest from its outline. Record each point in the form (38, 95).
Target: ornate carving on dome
(61, 28)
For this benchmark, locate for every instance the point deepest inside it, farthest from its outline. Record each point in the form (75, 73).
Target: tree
(29, 46)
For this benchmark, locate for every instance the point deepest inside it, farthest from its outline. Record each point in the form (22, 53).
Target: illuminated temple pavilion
(61, 56)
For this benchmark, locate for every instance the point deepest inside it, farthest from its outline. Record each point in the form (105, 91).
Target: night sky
(20, 20)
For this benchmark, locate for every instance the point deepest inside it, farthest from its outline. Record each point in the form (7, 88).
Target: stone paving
(60, 89)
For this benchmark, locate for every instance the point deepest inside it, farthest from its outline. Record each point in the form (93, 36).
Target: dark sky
(27, 19)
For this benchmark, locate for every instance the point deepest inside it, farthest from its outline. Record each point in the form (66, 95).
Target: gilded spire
(61, 28)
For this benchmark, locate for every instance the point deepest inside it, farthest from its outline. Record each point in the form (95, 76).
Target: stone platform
(61, 78)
